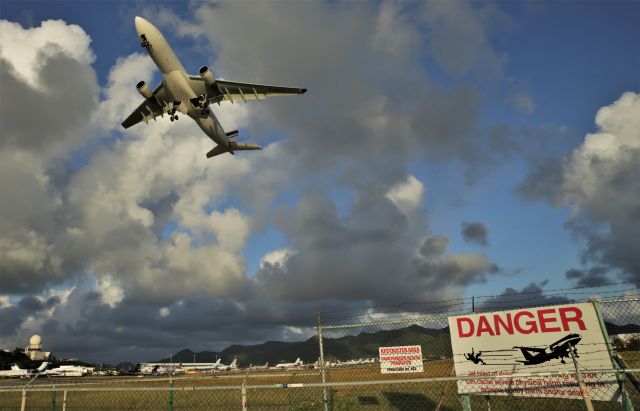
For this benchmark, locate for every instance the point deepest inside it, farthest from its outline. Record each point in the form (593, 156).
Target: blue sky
(473, 109)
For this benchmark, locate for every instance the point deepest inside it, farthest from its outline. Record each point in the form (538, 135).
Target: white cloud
(110, 292)
(25, 47)
(121, 96)
(5, 301)
(406, 195)
(277, 257)
(164, 312)
(588, 186)
(599, 181)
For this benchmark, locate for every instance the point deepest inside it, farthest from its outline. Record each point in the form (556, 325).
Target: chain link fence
(350, 348)
(351, 377)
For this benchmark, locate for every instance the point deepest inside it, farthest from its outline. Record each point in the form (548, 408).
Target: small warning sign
(406, 358)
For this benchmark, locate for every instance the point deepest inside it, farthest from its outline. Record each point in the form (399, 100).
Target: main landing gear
(202, 103)
(173, 116)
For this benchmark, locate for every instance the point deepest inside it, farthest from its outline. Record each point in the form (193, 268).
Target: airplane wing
(149, 109)
(233, 91)
(533, 349)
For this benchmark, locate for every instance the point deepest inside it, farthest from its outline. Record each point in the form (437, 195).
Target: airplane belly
(212, 128)
(181, 91)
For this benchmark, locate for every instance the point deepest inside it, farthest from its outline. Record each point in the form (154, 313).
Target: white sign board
(406, 358)
(505, 343)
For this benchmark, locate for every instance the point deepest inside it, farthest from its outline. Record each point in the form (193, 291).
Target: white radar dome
(35, 340)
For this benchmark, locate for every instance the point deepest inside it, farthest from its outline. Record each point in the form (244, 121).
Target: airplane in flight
(560, 349)
(192, 94)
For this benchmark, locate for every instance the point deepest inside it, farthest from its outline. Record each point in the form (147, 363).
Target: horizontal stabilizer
(217, 150)
(232, 133)
(243, 146)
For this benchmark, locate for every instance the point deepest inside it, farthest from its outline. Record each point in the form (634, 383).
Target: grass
(189, 394)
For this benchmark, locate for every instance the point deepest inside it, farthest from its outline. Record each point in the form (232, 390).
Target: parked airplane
(14, 372)
(558, 350)
(201, 366)
(231, 367)
(70, 371)
(17, 372)
(259, 367)
(192, 95)
(286, 365)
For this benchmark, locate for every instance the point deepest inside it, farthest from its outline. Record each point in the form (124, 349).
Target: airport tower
(34, 349)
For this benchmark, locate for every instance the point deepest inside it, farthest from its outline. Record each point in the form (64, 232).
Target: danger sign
(505, 343)
(407, 358)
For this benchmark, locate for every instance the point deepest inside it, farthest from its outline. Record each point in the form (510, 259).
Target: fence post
(325, 397)
(170, 394)
(23, 403)
(583, 387)
(243, 393)
(64, 401)
(53, 400)
(465, 401)
(626, 401)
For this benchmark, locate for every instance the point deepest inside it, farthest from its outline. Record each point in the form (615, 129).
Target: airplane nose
(140, 23)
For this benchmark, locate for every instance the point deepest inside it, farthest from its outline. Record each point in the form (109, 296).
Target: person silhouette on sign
(475, 358)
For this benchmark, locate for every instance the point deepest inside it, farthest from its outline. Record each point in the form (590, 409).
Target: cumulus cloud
(460, 37)
(593, 277)
(406, 195)
(355, 257)
(531, 295)
(476, 233)
(28, 49)
(145, 240)
(277, 257)
(386, 114)
(598, 181)
(46, 68)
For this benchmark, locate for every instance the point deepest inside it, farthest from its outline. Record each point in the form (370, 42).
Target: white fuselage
(175, 80)
(14, 372)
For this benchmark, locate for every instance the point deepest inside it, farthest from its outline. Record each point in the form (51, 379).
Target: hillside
(435, 343)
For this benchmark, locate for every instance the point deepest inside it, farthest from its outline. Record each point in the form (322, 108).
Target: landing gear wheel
(171, 118)
(175, 117)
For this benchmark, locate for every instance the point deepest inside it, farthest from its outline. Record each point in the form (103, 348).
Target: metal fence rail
(405, 394)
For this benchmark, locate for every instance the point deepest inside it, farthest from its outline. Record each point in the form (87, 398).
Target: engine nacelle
(143, 88)
(207, 75)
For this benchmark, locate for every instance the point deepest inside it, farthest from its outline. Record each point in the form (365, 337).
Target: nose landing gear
(173, 116)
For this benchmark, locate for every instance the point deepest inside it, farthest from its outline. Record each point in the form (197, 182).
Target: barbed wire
(468, 300)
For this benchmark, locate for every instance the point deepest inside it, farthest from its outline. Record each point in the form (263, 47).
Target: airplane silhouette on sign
(560, 349)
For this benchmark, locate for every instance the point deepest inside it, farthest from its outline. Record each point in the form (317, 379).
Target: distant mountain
(186, 355)
(435, 342)
(614, 329)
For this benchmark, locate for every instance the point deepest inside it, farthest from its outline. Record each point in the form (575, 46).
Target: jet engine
(143, 88)
(207, 75)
